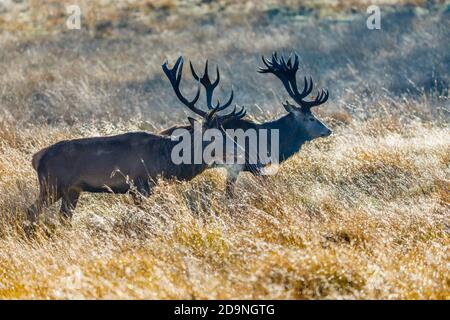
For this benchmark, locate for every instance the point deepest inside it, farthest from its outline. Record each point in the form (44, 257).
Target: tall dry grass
(362, 214)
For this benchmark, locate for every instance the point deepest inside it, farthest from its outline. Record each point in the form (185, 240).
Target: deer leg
(47, 196)
(34, 210)
(143, 188)
(230, 183)
(229, 186)
(69, 203)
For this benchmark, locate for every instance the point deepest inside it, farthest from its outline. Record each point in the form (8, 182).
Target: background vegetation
(362, 214)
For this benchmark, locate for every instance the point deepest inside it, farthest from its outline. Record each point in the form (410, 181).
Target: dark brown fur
(104, 164)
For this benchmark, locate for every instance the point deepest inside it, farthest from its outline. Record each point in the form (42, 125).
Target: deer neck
(291, 134)
(187, 171)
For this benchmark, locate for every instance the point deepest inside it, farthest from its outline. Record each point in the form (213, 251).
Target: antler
(286, 71)
(174, 76)
(233, 115)
(210, 86)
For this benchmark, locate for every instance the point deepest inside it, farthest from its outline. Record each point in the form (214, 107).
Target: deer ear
(288, 107)
(192, 121)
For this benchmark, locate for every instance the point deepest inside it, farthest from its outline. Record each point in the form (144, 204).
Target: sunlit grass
(354, 216)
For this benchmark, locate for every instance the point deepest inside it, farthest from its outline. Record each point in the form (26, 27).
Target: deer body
(106, 164)
(92, 162)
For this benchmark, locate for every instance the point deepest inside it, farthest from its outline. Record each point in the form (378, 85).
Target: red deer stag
(295, 128)
(70, 167)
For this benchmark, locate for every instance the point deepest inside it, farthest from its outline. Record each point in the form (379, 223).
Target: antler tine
(289, 61)
(210, 87)
(307, 88)
(322, 97)
(283, 63)
(233, 115)
(275, 62)
(241, 113)
(261, 69)
(227, 104)
(296, 61)
(211, 113)
(174, 75)
(194, 74)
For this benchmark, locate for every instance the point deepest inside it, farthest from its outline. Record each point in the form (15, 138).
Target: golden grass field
(363, 214)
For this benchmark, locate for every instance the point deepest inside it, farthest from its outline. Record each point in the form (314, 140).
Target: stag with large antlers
(295, 128)
(116, 163)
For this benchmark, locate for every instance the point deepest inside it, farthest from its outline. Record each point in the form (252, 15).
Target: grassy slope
(362, 214)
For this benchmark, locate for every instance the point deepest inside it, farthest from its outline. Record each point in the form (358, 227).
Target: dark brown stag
(115, 163)
(295, 128)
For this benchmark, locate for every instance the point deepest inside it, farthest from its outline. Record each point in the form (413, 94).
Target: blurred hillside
(110, 68)
(48, 16)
